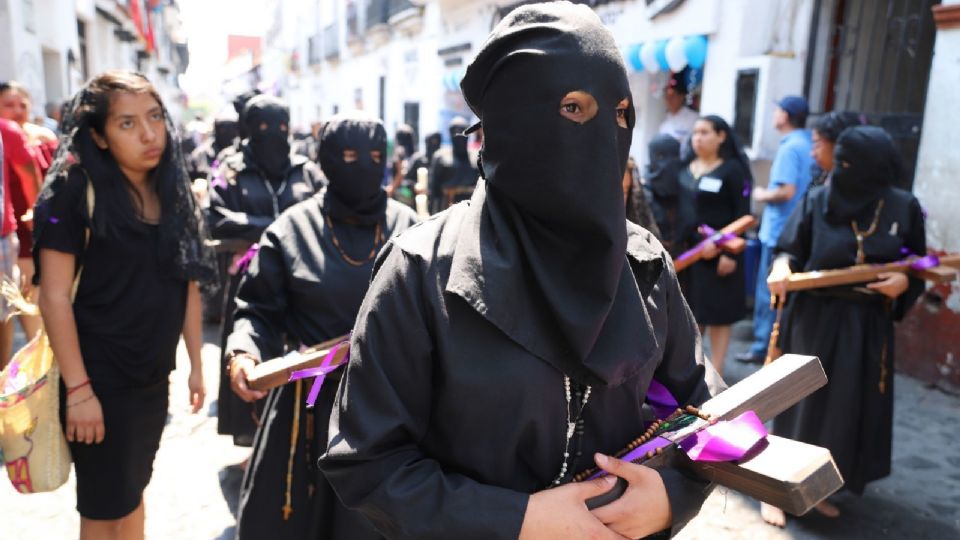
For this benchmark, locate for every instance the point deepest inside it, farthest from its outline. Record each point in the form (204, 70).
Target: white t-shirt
(679, 125)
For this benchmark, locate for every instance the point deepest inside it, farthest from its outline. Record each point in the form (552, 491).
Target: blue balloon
(633, 56)
(661, 52)
(696, 49)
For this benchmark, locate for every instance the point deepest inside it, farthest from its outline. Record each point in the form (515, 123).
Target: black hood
(563, 208)
(267, 122)
(406, 140)
(459, 139)
(432, 144)
(225, 133)
(239, 105)
(866, 163)
(662, 172)
(354, 190)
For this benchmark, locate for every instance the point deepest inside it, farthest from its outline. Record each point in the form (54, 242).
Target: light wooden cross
(789, 474)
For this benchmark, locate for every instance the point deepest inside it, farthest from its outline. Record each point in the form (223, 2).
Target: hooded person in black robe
(252, 188)
(203, 160)
(670, 201)
(453, 171)
(304, 287)
(850, 328)
(423, 158)
(488, 327)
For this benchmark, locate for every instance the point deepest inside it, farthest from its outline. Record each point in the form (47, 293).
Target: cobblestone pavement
(194, 488)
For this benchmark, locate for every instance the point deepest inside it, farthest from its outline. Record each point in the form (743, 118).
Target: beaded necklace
(377, 240)
(861, 255)
(572, 424)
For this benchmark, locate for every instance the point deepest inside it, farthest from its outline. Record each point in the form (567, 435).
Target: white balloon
(648, 55)
(676, 54)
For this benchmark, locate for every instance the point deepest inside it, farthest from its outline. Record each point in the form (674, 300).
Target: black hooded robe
(850, 329)
(449, 442)
(300, 290)
(242, 205)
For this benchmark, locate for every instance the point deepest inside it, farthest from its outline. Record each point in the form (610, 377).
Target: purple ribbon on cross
(320, 372)
(712, 235)
(241, 265)
(723, 441)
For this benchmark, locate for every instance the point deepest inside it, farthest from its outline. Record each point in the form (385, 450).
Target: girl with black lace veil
(140, 255)
(858, 218)
(304, 287)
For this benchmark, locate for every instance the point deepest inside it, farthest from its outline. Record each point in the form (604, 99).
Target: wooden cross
(945, 271)
(720, 238)
(789, 474)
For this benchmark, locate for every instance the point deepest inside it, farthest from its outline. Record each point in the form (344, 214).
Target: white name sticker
(711, 184)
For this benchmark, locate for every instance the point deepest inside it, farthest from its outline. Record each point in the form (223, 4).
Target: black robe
(242, 205)
(300, 290)
(450, 171)
(443, 425)
(850, 329)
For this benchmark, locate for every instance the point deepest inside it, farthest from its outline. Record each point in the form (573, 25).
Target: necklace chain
(571, 426)
(862, 235)
(377, 240)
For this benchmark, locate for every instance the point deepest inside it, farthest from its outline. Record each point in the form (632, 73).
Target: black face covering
(458, 141)
(555, 218)
(872, 166)
(224, 133)
(354, 191)
(267, 122)
(432, 143)
(405, 140)
(239, 105)
(662, 171)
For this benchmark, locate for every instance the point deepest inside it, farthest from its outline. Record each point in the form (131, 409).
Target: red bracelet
(72, 389)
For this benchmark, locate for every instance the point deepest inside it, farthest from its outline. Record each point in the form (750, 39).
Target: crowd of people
(536, 304)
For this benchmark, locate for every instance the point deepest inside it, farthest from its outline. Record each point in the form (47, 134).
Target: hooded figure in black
(850, 328)
(250, 190)
(304, 287)
(203, 160)
(453, 171)
(405, 142)
(670, 201)
(487, 328)
(419, 160)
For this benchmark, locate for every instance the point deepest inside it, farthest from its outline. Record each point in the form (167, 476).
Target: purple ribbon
(726, 441)
(54, 220)
(320, 372)
(920, 263)
(218, 179)
(723, 441)
(712, 235)
(241, 265)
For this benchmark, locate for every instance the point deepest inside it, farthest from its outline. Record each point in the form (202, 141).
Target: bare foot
(773, 515)
(827, 509)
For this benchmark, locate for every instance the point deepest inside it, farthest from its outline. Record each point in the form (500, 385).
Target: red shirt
(15, 152)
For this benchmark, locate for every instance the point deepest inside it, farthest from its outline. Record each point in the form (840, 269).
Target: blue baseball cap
(794, 105)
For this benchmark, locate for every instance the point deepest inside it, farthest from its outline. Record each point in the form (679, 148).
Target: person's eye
(375, 156)
(349, 155)
(126, 124)
(263, 126)
(156, 117)
(283, 128)
(571, 108)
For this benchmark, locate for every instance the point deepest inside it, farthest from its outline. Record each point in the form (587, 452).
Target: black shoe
(749, 358)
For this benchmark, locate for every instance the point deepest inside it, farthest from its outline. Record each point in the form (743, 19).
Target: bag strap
(91, 201)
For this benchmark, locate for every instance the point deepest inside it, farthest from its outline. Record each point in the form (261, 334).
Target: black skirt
(112, 475)
(715, 300)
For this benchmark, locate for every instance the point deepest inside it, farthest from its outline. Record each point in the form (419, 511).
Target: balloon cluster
(673, 54)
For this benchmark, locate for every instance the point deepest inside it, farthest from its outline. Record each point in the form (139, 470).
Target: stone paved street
(194, 488)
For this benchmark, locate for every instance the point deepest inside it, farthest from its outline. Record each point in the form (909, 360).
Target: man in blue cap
(790, 176)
